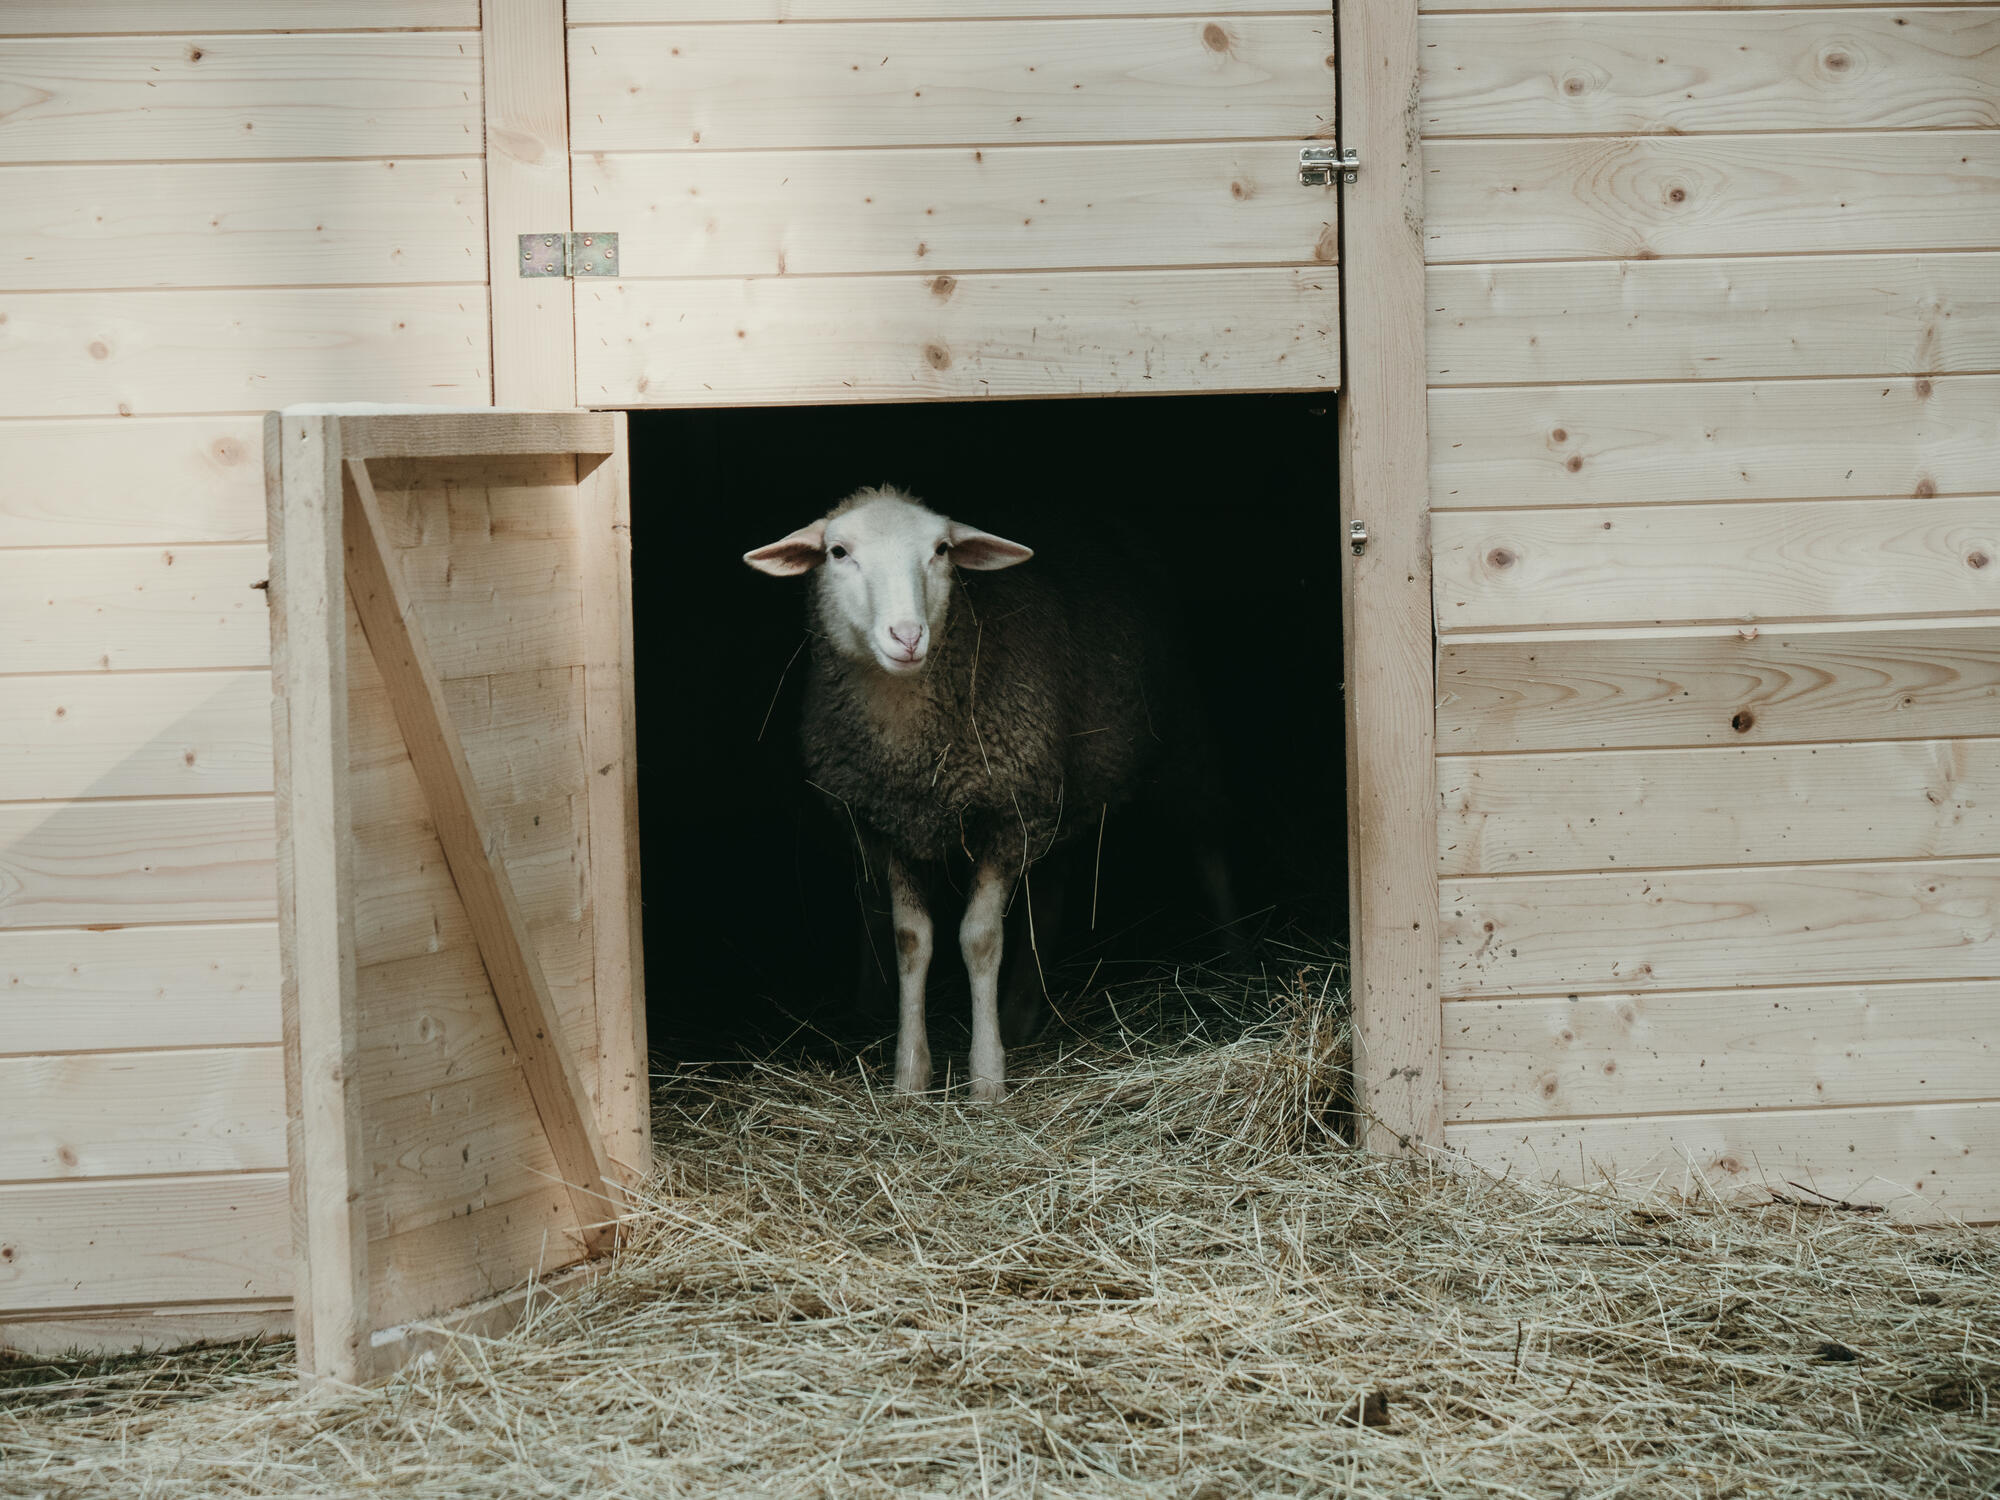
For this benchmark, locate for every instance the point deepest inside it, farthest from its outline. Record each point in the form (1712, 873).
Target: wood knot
(226, 451)
(99, 349)
(1574, 462)
(1500, 557)
(1215, 38)
(1326, 249)
(1924, 389)
(1977, 560)
(194, 54)
(1575, 87)
(1560, 435)
(1238, 191)
(1838, 62)
(66, 1155)
(938, 356)
(943, 286)
(1743, 721)
(1677, 195)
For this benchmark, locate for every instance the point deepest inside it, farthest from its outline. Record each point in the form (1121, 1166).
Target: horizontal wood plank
(480, 1254)
(82, 609)
(1707, 686)
(1696, 563)
(149, 479)
(911, 338)
(143, 1114)
(1638, 197)
(174, 1239)
(950, 83)
(84, 990)
(173, 98)
(1711, 929)
(205, 859)
(1723, 1050)
(137, 735)
(606, 12)
(1650, 809)
(134, 353)
(69, 17)
(1683, 72)
(1774, 440)
(551, 436)
(142, 1330)
(242, 224)
(1714, 319)
(942, 210)
(1922, 1164)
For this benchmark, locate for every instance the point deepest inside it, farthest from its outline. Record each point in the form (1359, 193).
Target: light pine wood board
(1921, 1163)
(170, 1239)
(134, 735)
(480, 1254)
(1651, 809)
(89, 990)
(1842, 1044)
(1637, 197)
(1684, 564)
(939, 210)
(1715, 319)
(143, 1330)
(1707, 929)
(120, 479)
(198, 859)
(173, 98)
(522, 731)
(949, 83)
(603, 12)
(64, 17)
(425, 433)
(1683, 72)
(906, 338)
(461, 500)
(83, 609)
(108, 354)
(242, 224)
(143, 1114)
(1762, 440)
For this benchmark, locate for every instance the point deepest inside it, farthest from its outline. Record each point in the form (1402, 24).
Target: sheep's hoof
(988, 1091)
(914, 1077)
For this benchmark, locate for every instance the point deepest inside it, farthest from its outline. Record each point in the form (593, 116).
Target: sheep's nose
(909, 635)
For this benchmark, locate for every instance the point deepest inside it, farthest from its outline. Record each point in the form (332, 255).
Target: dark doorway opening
(750, 886)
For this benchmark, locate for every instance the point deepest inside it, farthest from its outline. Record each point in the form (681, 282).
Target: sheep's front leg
(913, 962)
(980, 939)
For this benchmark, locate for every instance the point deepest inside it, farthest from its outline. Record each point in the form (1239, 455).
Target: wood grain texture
(1705, 929)
(1570, 7)
(174, 1239)
(488, 1318)
(136, 987)
(113, 354)
(496, 1247)
(1649, 809)
(1775, 440)
(1722, 1050)
(910, 338)
(171, 98)
(82, 609)
(528, 188)
(947, 210)
(143, 1114)
(1389, 668)
(142, 1330)
(205, 859)
(1710, 563)
(1715, 319)
(68, 17)
(1674, 73)
(241, 224)
(552, 435)
(146, 480)
(138, 735)
(1922, 1164)
(1708, 686)
(1638, 197)
(972, 83)
(602, 12)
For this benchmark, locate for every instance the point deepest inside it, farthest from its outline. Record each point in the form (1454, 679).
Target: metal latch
(1319, 164)
(1357, 536)
(593, 254)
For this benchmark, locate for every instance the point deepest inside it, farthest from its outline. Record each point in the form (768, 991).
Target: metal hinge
(593, 254)
(1357, 536)
(1319, 164)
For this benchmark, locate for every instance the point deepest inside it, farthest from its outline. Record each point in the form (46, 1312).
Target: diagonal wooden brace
(477, 869)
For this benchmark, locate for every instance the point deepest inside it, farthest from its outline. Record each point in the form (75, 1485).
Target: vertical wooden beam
(472, 851)
(527, 192)
(604, 499)
(1386, 593)
(308, 603)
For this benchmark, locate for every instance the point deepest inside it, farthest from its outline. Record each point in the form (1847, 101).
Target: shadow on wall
(749, 885)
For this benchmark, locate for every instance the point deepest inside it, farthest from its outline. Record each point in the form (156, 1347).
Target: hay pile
(1156, 1271)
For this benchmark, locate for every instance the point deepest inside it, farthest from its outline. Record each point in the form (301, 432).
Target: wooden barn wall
(894, 200)
(269, 201)
(1714, 344)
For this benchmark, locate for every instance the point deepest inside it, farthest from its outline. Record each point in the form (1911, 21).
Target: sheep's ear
(981, 550)
(801, 552)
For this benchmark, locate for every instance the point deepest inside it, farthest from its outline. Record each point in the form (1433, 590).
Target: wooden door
(853, 200)
(464, 1021)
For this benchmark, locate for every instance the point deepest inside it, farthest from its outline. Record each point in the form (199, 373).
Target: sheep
(959, 705)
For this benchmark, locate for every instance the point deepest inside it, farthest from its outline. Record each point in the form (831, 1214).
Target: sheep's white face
(886, 574)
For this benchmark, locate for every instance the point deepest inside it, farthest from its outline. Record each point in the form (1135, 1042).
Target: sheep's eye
(836, 553)
(942, 548)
